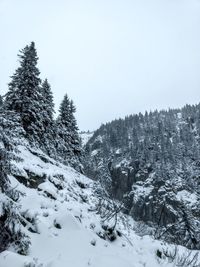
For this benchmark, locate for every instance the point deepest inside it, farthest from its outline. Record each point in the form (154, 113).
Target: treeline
(31, 102)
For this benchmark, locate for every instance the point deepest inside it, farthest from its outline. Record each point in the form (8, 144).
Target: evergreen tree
(68, 132)
(64, 112)
(24, 96)
(48, 99)
(10, 222)
(75, 140)
(63, 129)
(47, 111)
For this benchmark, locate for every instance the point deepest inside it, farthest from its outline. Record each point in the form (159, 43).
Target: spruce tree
(47, 111)
(75, 140)
(10, 222)
(64, 112)
(68, 131)
(63, 129)
(48, 99)
(24, 96)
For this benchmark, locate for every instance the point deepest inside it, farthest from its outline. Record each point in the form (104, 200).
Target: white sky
(112, 57)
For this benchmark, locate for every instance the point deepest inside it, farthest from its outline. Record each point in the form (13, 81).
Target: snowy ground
(66, 223)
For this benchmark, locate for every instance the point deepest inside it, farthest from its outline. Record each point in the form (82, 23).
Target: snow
(66, 224)
(142, 191)
(94, 152)
(179, 115)
(186, 196)
(118, 151)
(85, 137)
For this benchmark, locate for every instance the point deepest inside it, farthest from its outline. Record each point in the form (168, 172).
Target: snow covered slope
(63, 225)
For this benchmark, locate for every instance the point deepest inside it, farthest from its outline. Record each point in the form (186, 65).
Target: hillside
(127, 195)
(154, 159)
(58, 206)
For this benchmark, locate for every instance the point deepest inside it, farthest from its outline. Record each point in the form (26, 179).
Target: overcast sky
(112, 57)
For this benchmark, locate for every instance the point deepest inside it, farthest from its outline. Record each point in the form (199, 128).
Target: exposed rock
(32, 180)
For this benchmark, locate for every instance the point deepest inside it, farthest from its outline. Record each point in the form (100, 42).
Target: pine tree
(64, 112)
(47, 112)
(63, 129)
(24, 96)
(75, 140)
(48, 99)
(68, 132)
(10, 223)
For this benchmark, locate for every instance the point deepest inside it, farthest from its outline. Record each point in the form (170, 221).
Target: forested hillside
(27, 118)
(145, 183)
(30, 101)
(151, 163)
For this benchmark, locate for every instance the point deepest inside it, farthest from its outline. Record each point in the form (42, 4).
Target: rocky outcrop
(159, 204)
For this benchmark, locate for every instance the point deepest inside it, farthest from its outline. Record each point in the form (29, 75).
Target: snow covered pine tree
(10, 219)
(24, 95)
(47, 141)
(68, 132)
